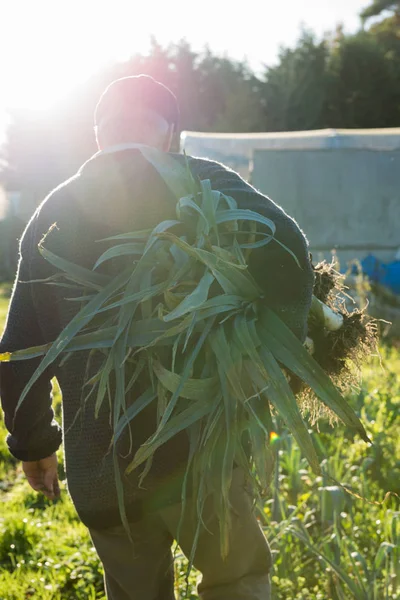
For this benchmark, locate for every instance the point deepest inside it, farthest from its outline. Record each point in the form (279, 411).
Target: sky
(47, 46)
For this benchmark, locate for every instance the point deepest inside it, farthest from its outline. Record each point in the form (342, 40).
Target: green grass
(326, 543)
(4, 296)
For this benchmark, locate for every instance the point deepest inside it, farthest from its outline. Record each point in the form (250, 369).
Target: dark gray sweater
(115, 193)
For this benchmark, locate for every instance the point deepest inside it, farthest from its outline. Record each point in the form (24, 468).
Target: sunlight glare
(58, 46)
(48, 47)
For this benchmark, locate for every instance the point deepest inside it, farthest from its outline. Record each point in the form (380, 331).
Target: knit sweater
(116, 192)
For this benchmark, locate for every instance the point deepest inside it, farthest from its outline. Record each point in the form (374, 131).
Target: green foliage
(57, 561)
(377, 7)
(339, 528)
(45, 552)
(359, 66)
(5, 290)
(343, 82)
(296, 90)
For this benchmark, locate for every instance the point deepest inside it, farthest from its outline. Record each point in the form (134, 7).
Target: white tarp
(236, 149)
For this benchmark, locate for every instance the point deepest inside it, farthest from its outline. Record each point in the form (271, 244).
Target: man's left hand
(42, 476)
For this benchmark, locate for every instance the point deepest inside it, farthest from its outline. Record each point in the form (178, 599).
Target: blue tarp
(387, 274)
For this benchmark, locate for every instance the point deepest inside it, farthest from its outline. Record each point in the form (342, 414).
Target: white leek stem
(328, 317)
(309, 345)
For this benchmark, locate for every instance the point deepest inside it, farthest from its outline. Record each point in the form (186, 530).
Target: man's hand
(42, 476)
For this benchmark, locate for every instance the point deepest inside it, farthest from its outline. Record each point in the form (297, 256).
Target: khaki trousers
(144, 570)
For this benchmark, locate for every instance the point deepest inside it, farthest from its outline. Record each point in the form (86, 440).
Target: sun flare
(47, 47)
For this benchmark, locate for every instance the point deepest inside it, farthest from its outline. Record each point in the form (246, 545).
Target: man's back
(117, 192)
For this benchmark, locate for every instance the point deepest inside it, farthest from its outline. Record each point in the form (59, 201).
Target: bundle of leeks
(188, 313)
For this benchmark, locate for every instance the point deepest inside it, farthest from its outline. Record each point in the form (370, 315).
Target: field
(334, 537)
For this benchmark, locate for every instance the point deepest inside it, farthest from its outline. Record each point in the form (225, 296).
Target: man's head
(136, 110)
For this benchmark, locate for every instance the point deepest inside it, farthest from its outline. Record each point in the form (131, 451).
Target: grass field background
(327, 543)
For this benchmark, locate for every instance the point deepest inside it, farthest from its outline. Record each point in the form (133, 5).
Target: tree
(379, 6)
(364, 89)
(186, 85)
(343, 81)
(295, 90)
(229, 95)
(387, 34)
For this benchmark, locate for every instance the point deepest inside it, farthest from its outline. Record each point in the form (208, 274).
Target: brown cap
(122, 96)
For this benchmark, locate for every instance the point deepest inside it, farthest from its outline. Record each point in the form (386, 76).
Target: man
(114, 192)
